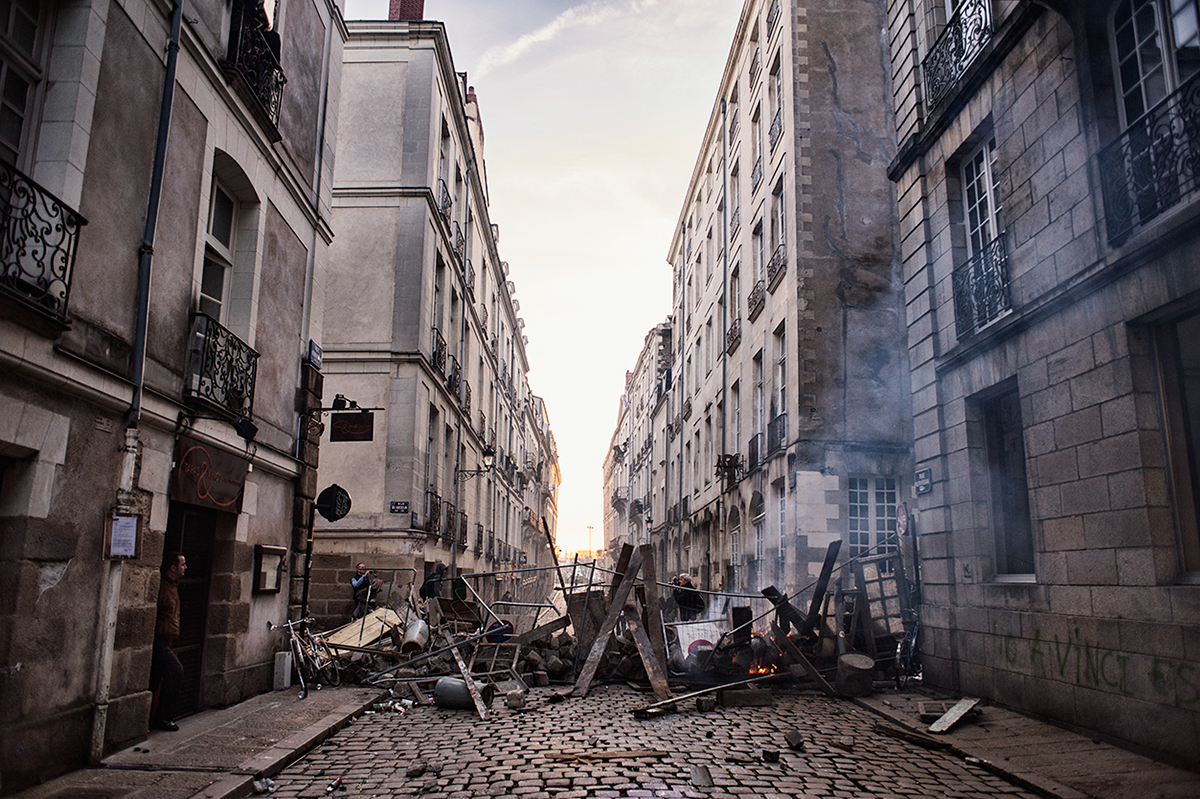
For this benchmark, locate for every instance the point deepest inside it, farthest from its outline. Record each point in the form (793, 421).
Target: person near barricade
(166, 672)
(432, 587)
(363, 587)
(690, 601)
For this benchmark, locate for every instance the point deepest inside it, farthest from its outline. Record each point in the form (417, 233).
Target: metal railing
(39, 236)
(772, 18)
(733, 126)
(981, 289)
(756, 175)
(448, 523)
(439, 351)
(776, 266)
(469, 278)
(776, 132)
(620, 496)
(466, 400)
(453, 375)
(754, 452)
(460, 242)
(464, 526)
(221, 368)
(757, 300)
(777, 433)
(433, 512)
(1152, 166)
(735, 220)
(445, 201)
(478, 538)
(252, 62)
(755, 66)
(965, 35)
(733, 337)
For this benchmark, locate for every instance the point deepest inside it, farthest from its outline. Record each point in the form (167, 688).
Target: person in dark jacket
(432, 587)
(690, 601)
(165, 669)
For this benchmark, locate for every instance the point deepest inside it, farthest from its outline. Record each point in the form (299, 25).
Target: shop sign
(207, 476)
(355, 426)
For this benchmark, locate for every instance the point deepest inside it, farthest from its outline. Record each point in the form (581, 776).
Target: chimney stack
(406, 9)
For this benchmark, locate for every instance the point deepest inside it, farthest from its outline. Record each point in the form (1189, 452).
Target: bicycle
(311, 656)
(908, 656)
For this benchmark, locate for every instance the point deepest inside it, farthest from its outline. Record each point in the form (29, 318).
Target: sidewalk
(1041, 756)
(217, 753)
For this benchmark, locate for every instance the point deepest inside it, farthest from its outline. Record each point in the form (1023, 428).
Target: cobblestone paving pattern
(515, 753)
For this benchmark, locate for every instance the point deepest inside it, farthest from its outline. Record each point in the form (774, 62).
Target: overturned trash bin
(415, 637)
(453, 694)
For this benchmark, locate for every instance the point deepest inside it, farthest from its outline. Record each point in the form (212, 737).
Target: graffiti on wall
(1077, 660)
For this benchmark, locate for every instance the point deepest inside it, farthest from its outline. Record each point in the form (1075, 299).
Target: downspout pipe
(146, 251)
(110, 603)
(725, 315)
(462, 380)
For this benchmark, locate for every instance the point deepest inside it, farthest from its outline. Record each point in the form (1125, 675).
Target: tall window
(218, 253)
(758, 392)
(779, 396)
(19, 73)
(735, 292)
(1012, 530)
(781, 505)
(1180, 374)
(871, 504)
(980, 209)
(1157, 48)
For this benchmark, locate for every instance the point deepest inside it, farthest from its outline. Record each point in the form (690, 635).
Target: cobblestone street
(593, 747)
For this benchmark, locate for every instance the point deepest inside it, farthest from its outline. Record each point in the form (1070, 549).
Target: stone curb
(1032, 781)
(274, 760)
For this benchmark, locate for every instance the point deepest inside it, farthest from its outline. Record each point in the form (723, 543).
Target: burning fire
(764, 669)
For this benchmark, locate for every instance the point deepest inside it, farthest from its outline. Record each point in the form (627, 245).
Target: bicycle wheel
(312, 671)
(326, 664)
(301, 666)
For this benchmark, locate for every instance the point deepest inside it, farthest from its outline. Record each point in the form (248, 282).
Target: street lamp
(489, 458)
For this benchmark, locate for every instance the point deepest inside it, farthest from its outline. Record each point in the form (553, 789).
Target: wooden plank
(669, 705)
(365, 631)
(795, 654)
(654, 670)
(540, 632)
(953, 715)
(610, 621)
(622, 565)
(484, 712)
(653, 608)
(814, 607)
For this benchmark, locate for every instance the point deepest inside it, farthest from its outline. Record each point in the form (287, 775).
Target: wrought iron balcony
(620, 496)
(687, 408)
(463, 527)
(469, 279)
(439, 352)
(756, 175)
(777, 433)
(433, 513)
(1151, 167)
(448, 523)
(776, 132)
(478, 538)
(733, 337)
(460, 242)
(453, 375)
(757, 300)
(981, 290)
(776, 266)
(445, 201)
(221, 369)
(252, 63)
(490, 551)
(964, 37)
(735, 220)
(733, 125)
(483, 317)
(754, 452)
(466, 399)
(755, 66)
(772, 19)
(39, 236)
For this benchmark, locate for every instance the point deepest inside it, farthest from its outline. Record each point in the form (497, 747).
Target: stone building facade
(422, 323)
(786, 426)
(1047, 198)
(165, 179)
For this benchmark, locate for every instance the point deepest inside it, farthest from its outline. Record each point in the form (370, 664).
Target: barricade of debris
(461, 650)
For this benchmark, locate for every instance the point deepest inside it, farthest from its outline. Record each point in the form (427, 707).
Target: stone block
(1070, 362)
(1063, 533)
(1070, 600)
(1072, 429)
(1056, 467)
(1050, 404)
(1117, 528)
(1101, 385)
(1109, 455)
(1092, 567)
(1085, 497)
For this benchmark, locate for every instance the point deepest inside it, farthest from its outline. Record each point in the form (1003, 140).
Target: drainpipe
(724, 326)
(129, 468)
(462, 380)
(682, 376)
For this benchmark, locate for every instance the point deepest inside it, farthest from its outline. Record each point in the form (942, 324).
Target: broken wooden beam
(793, 651)
(953, 715)
(616, 608)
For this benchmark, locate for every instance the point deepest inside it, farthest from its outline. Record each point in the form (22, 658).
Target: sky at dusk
(593, 113)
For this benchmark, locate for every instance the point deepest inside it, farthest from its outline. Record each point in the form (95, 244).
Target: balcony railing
(483, 317)
(39, 236)
(478, 538)
(221, 368)
(687, 408)
(776, 132)
(777, 433)
(464, 525)
(965, 35)
(453, 375)
(772, 19)
(252, 63)
(735, 220)
(733, 126)
(448, 512)
(757, 300)
(445, 201)
(754, 452)
(469, 279)
(433, 513)
(1152, 166)
(439, 352)
(756, 175)
(620, 496)
(755, 66)
(460, 242)
(733, 337)
(776, 266)
(466, 400)
(490, 550)
(981, 290)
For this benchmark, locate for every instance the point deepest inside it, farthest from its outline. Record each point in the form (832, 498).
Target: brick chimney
(406, 9)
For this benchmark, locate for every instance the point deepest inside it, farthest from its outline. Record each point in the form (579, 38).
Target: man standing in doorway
(165, 668)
